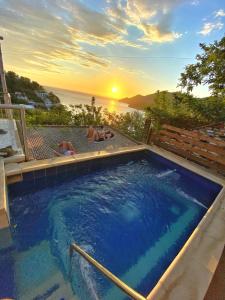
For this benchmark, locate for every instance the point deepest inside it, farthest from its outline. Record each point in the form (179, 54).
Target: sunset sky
(112, 48)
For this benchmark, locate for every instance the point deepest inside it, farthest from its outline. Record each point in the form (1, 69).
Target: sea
(68, 97)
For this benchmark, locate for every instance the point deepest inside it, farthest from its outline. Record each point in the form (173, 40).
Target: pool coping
(34, 165)
(187, 276)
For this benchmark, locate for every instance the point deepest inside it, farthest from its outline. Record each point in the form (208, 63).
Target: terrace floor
(43, 141)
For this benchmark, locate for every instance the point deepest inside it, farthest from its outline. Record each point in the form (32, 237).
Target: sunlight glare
(112, 106)
(114, 89)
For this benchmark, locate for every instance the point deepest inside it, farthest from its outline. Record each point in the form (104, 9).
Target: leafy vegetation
(184, 110)
(58, 115)
(130, 123)
(209, 69)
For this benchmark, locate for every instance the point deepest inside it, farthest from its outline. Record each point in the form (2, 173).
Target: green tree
(59, 115)
(130, 123)
(209, 69)
(53, 98)
(178, 109)
(86, 115)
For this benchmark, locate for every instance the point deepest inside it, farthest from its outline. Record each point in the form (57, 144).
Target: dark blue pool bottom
(83, 173)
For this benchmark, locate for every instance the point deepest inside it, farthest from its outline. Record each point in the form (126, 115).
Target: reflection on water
(113, 106)
(70, 97)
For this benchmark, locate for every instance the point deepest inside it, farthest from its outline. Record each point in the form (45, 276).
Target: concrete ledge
(14, 169)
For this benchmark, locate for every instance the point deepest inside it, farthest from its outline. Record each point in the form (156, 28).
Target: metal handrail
(123, 286)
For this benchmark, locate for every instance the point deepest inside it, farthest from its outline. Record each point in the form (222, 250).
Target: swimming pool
(133, 213)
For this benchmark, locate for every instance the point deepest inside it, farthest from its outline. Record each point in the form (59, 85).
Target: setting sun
(114, 89)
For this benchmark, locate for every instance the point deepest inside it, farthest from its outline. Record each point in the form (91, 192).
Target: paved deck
(43, 141)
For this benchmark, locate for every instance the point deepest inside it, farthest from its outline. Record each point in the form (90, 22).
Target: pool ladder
(119, 283)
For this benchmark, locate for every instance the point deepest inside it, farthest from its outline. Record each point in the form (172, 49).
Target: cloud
(195, 2)
(45, 34)
(209, 27)
(89, 23)
(153, 33)
(141, 13)
(42, 39)
(219, 13)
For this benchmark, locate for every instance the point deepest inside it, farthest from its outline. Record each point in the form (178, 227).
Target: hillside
(25, 91)
(141, 102)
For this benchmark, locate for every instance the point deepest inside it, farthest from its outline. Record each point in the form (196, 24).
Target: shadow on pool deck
(43, 141)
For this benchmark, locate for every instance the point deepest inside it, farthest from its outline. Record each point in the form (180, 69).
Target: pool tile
(28, 177)
(41, 182)
(40, 174)
(62, 169)
(51, 171)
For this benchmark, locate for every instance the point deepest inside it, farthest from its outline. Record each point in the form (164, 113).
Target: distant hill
(141, 102)
(25, 91)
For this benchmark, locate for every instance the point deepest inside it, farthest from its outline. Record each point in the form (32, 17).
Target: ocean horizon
(68, 97)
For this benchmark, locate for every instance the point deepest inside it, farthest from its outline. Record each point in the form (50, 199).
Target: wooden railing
(205, 150)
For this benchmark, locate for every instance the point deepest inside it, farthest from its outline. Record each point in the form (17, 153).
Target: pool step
(145, 264)
(38, 277)
(57, 292)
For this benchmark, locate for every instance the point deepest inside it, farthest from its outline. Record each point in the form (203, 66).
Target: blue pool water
(131, 213)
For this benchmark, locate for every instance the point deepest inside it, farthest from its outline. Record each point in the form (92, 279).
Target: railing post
(24, 133)
(149, 132)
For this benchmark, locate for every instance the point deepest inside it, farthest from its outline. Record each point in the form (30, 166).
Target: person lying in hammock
(65, 148)
(91, 131)
(102, 134)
